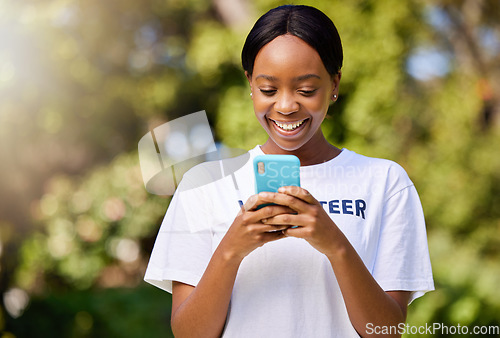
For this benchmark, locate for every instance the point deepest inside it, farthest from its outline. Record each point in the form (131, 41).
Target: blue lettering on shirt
(360, 208)
(346, 207)
(333, 207)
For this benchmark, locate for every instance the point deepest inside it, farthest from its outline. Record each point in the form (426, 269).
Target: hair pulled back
(305, 22)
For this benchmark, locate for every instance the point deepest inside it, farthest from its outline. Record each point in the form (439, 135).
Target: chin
(288, 147)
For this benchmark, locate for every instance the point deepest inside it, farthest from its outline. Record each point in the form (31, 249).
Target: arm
(201, 311)
(365, 300)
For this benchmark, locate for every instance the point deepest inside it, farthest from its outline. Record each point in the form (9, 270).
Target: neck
(317, 150)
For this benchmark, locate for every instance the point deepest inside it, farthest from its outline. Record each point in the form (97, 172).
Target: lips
(288, 127)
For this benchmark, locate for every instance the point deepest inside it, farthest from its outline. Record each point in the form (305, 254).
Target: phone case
(275, 171)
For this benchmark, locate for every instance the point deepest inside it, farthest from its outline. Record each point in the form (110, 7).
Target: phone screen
(275, 171)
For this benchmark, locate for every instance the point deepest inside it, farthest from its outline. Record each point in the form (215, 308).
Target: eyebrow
(306, 77)
(298, 78)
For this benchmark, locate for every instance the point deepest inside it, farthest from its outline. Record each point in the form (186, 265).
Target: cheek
(317, 120)
(261, 117)
(260, 109)
(318, 103)
(324, 102)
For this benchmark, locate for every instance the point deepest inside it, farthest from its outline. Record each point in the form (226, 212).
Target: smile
(288, 126)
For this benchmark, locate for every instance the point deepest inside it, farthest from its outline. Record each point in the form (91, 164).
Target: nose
(286, 104)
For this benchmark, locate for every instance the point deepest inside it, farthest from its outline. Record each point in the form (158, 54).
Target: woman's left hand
(311, 222)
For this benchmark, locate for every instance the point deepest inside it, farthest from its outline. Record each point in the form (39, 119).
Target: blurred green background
(82, 81)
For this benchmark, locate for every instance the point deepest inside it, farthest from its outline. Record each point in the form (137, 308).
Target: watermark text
(431, 329)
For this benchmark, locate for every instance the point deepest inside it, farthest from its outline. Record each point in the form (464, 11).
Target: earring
(334, 96)
(251, 94)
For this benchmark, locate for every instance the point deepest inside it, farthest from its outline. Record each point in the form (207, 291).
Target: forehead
(288, 55)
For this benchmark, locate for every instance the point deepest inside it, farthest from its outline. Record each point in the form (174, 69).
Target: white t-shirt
(286, 288)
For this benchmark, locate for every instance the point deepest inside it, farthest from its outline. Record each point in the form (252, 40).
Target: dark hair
(305, 22)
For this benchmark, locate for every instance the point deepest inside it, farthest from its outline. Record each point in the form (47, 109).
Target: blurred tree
(454, 164)
(470, 28)
(80, 83)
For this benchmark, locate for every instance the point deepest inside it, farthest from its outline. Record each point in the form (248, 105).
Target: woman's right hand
(247, 232)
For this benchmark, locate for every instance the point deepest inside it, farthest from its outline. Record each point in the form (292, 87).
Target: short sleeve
(402, 261)
(183, 246)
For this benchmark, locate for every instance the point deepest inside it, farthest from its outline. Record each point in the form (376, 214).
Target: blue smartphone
(275, 171)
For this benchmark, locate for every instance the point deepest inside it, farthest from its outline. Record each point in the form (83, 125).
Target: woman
(339, 257)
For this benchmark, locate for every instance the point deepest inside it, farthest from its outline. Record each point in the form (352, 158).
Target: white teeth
(288, 126)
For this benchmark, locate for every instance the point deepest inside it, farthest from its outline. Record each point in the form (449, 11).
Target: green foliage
(91, 225)
(457, 176)
(127, 313)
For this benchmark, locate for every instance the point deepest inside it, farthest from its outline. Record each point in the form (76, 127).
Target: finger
(299, 193)
(298, 232)
(298, 220)
(275, 228)
(263, 227)
(253, 203)
(285, 200)
(242, 209)
(261, 215)
(271, 211)
(261, 230)
(272, 236)
(250, 204)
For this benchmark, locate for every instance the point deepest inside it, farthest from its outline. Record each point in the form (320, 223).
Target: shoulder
(385, 171)
(374, 163)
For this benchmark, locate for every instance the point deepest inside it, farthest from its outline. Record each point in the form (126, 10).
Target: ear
(249, 78)
(335, 86)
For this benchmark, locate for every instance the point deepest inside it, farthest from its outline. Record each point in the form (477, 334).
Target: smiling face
(291, 92)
